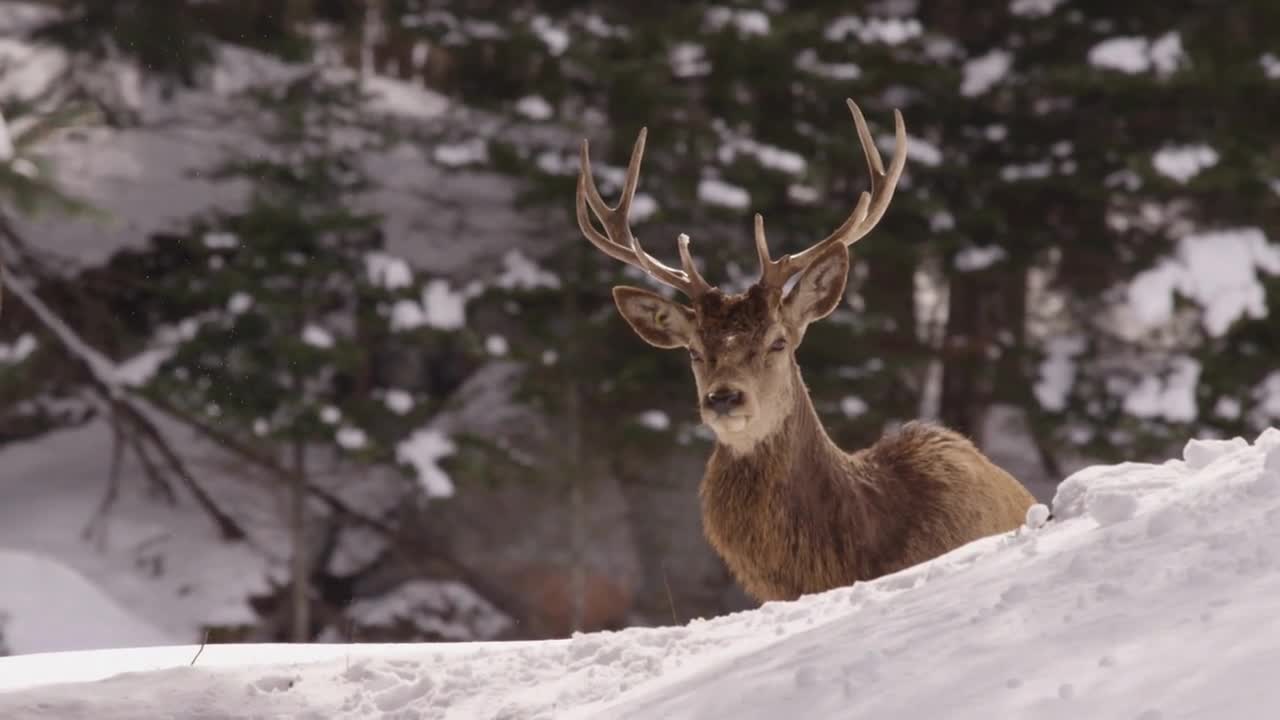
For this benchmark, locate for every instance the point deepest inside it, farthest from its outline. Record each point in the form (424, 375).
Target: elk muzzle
(723, 400)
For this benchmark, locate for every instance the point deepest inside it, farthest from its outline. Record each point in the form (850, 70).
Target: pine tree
(278, 311)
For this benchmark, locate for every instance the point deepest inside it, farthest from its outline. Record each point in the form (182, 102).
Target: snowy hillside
(1151, 595)
(64, 611)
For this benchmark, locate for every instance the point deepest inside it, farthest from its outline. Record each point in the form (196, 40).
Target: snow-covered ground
(47, 607)
(1151, 595)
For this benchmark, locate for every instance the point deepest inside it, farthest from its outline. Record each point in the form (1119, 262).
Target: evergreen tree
(278, 312)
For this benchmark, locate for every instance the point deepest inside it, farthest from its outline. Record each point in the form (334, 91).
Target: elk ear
(819, 289)
(658, 321)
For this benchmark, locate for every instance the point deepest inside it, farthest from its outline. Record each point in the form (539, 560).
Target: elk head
(742, 346)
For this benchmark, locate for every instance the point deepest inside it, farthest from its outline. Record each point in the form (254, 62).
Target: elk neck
(798, 447)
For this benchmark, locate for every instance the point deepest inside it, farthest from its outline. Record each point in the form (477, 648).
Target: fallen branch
(104, 379)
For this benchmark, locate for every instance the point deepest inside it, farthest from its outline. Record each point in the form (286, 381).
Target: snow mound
(47, 607)
(1149, 594)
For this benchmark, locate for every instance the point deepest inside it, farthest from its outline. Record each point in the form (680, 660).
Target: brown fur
(789, 511)
(799, 515)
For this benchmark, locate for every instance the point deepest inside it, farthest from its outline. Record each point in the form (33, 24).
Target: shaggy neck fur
(772, 509)
(793, 514)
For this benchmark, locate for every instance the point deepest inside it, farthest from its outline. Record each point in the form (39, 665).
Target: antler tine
(866, 213)
(618, 242)
(762, 244)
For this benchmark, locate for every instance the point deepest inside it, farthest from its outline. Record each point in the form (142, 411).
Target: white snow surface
(1149, 595)
(49, 607)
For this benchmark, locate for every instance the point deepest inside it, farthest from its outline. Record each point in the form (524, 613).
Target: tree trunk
(965, 386)
(300, 568)
(984, 340)
(889, 292)
(576, 474)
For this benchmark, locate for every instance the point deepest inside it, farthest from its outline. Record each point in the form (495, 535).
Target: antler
(866, 214)
(618, 242)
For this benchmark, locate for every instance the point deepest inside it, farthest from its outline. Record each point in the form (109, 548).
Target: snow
(1216, 269)
(164, 563)
(351, 438)
(920, 150)
(889, 31)
(746, 22)
(852, 406)
(1034, 8)
(1200, 454)
(1133, 55)
(1270, 65)
(643, 207)
(1267, 399)
(29, 69)
(971, 259)
(50, 607)
(468, 152)
(721, 193)
(1037, 516)
(769, 156)
(1058, 371)
(424, 450)
(398, 401)
(388, 271)
(534, 107)
(404, 99)
(1172, 398)
(776, 158)
(520, 272)
(19, 350)
(1184, 162)
(426, 604)
(330, 415)
(441, 308)
(220, 240)
(803, 194)
(982, 73)
(139, 369)
(317, 337)
(496, 345)
(6, 142)
(807, 60)
(655, 420)
(1148, 595)
(239, 303)
(688, 60)
(555, 38)
(1030, 171)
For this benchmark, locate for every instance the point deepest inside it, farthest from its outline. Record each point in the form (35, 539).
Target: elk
(788, 510)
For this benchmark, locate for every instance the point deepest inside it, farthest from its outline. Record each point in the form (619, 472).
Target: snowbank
(1150, 596)
(46, 607)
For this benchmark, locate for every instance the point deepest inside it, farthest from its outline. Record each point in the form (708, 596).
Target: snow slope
(46, 607)
(1152, 596)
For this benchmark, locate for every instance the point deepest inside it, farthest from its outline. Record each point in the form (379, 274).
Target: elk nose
(722, 400)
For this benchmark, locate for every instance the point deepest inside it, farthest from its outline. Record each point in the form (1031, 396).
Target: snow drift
(46, 606)
(1151, 595)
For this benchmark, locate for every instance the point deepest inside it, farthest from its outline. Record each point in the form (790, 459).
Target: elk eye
(778, 345)
(693, 355)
